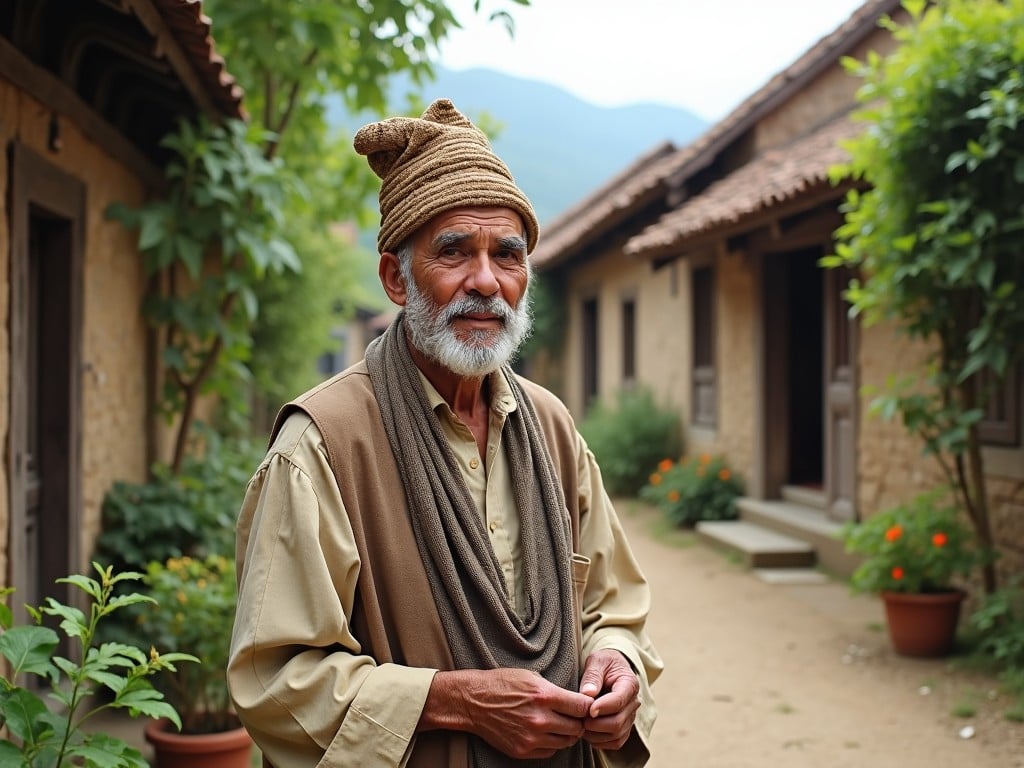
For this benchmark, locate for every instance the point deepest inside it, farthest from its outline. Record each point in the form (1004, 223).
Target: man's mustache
(493, 306)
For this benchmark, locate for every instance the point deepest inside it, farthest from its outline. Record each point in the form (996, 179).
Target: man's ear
(390, 272)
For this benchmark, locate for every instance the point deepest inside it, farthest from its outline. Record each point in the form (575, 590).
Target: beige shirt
(309, 707)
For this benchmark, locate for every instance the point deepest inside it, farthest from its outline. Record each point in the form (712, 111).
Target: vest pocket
(580, 571)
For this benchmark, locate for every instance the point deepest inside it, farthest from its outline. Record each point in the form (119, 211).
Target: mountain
(559, 147)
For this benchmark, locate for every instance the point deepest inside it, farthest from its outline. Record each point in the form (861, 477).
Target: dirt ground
(766, 676)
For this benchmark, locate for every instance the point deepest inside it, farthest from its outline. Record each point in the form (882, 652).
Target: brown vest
(394, 618)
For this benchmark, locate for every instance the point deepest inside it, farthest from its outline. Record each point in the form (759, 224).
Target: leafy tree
(291, 58)
(937, 234)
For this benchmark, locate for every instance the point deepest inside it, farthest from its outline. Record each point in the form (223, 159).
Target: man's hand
(515, 711)
(610, 681)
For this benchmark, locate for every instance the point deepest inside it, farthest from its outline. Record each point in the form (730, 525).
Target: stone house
(87, 90)
(695, 274)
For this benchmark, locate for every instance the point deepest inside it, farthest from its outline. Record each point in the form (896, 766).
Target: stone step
(808, 524)
(758, 546)
(813, 498)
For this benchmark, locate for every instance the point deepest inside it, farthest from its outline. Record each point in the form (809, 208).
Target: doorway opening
(805, 364)
(44, 460)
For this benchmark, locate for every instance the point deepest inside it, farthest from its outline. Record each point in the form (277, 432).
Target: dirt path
(762, 676)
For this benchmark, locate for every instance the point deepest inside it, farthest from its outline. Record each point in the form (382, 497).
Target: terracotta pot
(923, 624)
(228, 749)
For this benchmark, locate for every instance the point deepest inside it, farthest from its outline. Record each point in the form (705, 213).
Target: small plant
(200, 599)
(629, 438)
(919, 547)
(999, 623)
(694, 489)
(38, 737)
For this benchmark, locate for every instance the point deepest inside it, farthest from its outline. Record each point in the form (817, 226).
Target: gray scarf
(482, 629)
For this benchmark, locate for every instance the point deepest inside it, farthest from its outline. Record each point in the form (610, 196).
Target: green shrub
(191, 514)
(999, 625)
(695, 489)
(629, 438)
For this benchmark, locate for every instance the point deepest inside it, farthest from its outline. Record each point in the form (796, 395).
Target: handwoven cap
(434, 163)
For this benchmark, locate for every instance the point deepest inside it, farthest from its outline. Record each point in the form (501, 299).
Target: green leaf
(190, 253)
(152, 228)
(29, 648)
(25, 714)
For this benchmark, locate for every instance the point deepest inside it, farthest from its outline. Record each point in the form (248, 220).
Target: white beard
(479, 352)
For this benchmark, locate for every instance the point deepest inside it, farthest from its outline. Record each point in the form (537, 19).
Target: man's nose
(482, 278)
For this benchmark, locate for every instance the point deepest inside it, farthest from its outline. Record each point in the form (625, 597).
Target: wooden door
(44, 465)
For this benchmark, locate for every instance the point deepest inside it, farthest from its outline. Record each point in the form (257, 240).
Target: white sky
(704, 55)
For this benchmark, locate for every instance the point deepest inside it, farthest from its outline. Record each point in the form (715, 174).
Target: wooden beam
(57, 96)
(167, 46)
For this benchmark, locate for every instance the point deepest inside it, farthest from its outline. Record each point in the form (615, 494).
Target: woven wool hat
(432, 164)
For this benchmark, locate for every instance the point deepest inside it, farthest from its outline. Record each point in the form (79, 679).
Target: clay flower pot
(922, 624)
(227, 749)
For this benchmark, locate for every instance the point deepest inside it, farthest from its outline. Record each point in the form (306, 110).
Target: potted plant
(199, 595)
(913, 555)
(57, 735)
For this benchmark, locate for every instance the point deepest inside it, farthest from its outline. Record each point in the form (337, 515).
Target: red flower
(665, 465)
(897, 573)
(894, 533)
(940, 539)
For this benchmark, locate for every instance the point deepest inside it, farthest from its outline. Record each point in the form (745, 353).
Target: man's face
(467, 282)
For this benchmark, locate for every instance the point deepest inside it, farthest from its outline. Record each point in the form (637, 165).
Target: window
(628, 340)
(1000, 426)
(590, 349)
(704, 395)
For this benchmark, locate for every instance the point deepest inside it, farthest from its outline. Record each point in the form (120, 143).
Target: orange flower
(940, 539)
(897, 573)
(894, 533)
(673, 495)
(665, 465)
(724, 474)
(655, 479)
(705, 459)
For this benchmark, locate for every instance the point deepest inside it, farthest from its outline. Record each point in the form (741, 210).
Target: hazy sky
(704, 55)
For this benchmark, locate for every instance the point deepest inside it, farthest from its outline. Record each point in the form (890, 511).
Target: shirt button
(493, 527)
(474, 463)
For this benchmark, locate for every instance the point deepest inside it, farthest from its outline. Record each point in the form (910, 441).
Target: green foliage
(917, 547)
(206, 245)
(549, 317)
(629, 438)
(189, 513)
(694, 489)
(198, 595)
(38, 736)
(936, 234)
(999, 624)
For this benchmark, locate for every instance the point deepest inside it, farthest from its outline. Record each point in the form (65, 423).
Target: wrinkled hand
(610, 681)
(515, 711)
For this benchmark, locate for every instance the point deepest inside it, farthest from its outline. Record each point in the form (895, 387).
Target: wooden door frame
(35, 183)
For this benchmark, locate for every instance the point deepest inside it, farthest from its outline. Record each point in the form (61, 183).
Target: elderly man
(430, 571)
